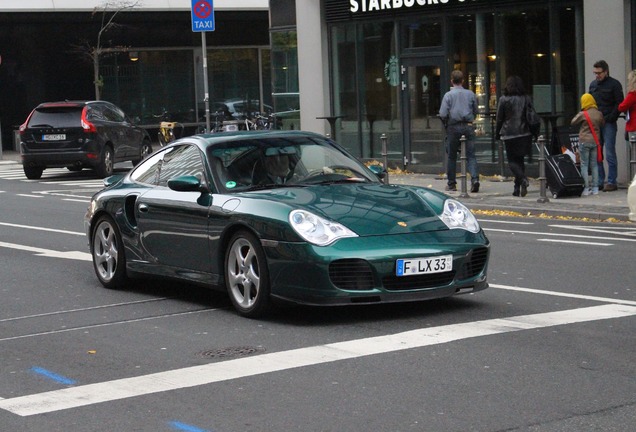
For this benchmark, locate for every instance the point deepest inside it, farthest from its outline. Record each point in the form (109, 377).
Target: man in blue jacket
(608, 93)
(458, 111)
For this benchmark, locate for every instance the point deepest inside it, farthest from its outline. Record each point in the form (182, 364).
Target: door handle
(143, 208)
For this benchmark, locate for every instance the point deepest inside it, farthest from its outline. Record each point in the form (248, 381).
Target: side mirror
(109, 181)
(378, 170)
(187, 183)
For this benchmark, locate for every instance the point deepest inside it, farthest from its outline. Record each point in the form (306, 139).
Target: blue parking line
(186, 427)
(53, 376)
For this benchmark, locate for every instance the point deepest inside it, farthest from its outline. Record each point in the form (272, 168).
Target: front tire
(247, 275)
(107, 250)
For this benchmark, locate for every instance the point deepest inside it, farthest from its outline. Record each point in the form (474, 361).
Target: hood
(367, 209)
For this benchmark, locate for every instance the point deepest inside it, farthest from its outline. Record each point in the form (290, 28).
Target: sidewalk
(495, 194)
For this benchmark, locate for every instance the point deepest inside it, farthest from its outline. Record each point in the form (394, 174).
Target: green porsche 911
(282, 214)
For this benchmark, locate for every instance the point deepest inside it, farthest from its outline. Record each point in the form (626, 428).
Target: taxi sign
(202, 15)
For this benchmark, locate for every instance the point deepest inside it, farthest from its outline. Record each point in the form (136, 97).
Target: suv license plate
(54, 137)
(418, 266)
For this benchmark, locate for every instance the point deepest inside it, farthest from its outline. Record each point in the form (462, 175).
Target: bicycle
(166, 132)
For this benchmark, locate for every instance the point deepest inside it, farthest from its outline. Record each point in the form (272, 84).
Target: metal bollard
(542, 178)
(632, 158)
(384, 139)
(463, 158)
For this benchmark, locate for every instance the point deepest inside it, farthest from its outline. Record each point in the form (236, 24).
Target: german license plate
(419, 266)
(53, 137)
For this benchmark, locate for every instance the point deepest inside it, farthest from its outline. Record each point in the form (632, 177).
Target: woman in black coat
(514, 131)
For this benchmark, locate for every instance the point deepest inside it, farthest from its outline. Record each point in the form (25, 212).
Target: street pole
(463, 176)
(385, 153)
(542, 178)
(206, 92)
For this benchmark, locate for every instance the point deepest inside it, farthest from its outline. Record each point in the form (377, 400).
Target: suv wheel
(105, 167)
(33, 173)
(144, 151)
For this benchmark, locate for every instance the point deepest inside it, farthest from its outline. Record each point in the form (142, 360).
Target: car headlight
(317, 230)
(456, 215)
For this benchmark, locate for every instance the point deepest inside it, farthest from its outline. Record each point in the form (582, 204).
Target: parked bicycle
(168, 132)
(261, 122)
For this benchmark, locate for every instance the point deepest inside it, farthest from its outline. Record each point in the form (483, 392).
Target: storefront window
(155, 85)
(149, 85)
(366, 79)
(423, 35)
(285, 95)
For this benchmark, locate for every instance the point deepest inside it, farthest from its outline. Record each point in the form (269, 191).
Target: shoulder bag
(532, 118)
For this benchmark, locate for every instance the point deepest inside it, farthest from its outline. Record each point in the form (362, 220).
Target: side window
(94, 112)
(148, 171)
(180, 161)
(113, 114)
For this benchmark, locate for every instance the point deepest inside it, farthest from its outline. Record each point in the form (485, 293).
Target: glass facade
(151, 85)
(390, 73)
(285, 95)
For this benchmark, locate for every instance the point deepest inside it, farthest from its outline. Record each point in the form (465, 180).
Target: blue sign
(202, 15)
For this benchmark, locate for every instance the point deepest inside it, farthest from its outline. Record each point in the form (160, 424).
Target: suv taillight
(86, 125)
(23, 126)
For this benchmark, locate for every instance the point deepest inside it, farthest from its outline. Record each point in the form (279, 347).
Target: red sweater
(629, 105)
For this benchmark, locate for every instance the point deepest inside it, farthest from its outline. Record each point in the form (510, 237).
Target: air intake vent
(351, 274)
(474, 263)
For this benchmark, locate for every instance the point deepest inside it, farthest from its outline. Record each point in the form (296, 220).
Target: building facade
(359, 70)
(149, 63)
(380, 68)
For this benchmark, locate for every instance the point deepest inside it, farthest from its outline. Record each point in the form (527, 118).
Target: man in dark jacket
(608, 93)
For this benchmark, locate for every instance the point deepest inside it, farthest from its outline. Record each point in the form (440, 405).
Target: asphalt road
(549, 347)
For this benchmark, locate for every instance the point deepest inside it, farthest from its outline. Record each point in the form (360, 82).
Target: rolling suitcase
(563, 178)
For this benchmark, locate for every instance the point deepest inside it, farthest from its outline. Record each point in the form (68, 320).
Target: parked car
(282, 214)
(80, 134)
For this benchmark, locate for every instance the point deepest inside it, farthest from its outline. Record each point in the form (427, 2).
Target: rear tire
(33, 173)
(107, 250)
(144, 151)
(106, 163)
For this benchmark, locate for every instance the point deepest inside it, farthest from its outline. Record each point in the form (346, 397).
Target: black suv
(80, 134)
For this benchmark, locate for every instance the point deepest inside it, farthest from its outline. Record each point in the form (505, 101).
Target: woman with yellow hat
(590, 121)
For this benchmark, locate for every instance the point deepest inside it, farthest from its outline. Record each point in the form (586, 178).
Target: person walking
(590, 122)
(608, 93)
(513, 129)
(458, 111)
(628, 106)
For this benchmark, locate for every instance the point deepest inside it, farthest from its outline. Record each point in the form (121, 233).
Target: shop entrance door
(421, 98)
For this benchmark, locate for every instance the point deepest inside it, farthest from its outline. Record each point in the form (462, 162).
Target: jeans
(588, 160)
(453, 146)
(609, 152)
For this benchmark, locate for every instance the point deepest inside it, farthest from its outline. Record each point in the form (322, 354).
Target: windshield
(283, 161)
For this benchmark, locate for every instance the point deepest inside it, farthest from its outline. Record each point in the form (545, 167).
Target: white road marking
(67, 311)
(41, 228)
(85, 200)
(562, 294)
(505, 222)
(587, 237)
(302, 357)
(576, 242)
(29, 196)
(73, 255)
(108, 324)
(620, 230)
